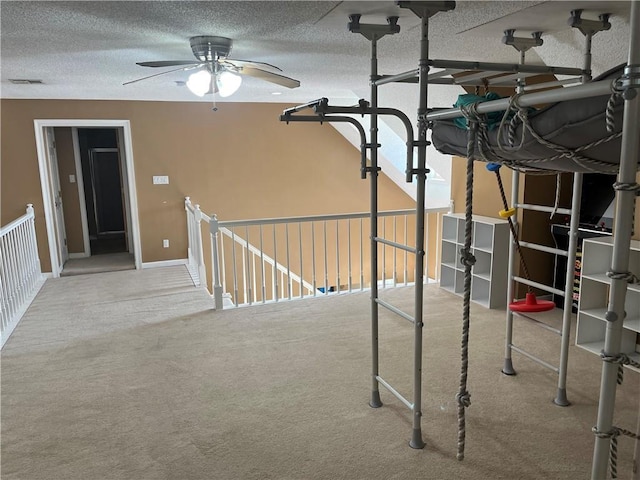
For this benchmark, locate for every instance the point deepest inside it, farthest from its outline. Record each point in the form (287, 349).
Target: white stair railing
(307, 256)
(20, 274)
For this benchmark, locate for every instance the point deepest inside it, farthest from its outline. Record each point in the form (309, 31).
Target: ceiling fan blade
(162, 73)
(167, 63)
(247, 63)
(269, 77)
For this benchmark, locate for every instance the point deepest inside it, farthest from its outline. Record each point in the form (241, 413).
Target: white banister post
(217, 285)
(187, 204)
(33, 241)
(202, 271)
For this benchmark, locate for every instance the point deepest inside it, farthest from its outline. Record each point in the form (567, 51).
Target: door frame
(83, 203)
(43, 165)
(56, 194)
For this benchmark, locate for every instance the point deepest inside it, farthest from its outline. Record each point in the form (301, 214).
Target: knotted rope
(613, 434)
(515, 114)
(610, 111)
(620, 359)
(463, 397)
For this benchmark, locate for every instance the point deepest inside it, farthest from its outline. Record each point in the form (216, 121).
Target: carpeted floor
(131, 375)
(108, 262)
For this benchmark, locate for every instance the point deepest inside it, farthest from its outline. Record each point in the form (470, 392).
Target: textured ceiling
(87, 50)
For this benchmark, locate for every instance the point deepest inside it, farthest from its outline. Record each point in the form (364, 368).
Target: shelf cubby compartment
(450, 229)
(482, 268)
(590, 336)
(481, 291)
(449, 254)
(483, 237)
(489, 278)
(594, 297)
(460, 236)
(459, 288)
(448, 278)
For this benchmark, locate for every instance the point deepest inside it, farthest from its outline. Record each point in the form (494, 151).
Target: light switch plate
(160, 180)
(72, 179)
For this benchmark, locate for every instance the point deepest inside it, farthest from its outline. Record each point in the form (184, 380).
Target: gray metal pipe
(543, 208)
(421, 179)
(622, 228)
(374, 111)
(501, 67)
(461, 65)
(375, 401)
(304, 106)
(561, 396)
(397, 78)
(335, 118)
(594, 89)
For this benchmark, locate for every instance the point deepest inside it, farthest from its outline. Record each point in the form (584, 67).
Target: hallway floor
(108, 262)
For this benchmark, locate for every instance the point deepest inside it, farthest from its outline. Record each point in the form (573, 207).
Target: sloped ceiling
(87, 50)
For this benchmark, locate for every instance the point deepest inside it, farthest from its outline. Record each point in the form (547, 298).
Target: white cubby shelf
(490, 246)
(594, 299)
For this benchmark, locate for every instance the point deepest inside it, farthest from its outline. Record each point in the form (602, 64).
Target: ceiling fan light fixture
(228, 83)
(199, 83)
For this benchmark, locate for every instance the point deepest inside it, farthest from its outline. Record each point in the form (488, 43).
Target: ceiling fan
(216, 73)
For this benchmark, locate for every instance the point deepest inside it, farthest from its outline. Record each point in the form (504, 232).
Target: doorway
(89, 177)
(105, 204)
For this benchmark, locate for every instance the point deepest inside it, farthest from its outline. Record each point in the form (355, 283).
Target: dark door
(107, 191)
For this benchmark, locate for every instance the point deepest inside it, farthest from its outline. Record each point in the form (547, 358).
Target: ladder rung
(382, 382)
(443, 73)
(541, 286)
(534, 358)
(538, 323)
(395, 244)
(395, 310)
(543, 208)
(509, 78)
(537, 86)
(544, 248)
(462, 79)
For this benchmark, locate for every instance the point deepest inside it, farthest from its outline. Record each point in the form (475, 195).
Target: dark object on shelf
(596, 206)
(561, 238)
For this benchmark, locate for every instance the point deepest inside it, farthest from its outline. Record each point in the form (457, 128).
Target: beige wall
(239, 162)
(69, 191)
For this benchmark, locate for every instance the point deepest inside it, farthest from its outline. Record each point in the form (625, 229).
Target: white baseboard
(47, 274)
(165, 263)
(78, 255)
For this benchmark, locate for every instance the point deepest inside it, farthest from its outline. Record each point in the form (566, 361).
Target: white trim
(125, 192)
(79, 255)
(133, 197)
(39, 125)
(46, 198)
(165, 263)
(83, 204)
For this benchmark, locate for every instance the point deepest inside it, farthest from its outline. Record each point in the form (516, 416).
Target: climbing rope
(613, 434)
(609, 112)
(463, 397)
(620, 359)
(515, 114)
(512, 227)
(556, 202)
